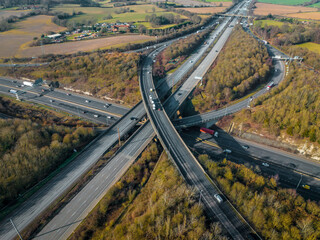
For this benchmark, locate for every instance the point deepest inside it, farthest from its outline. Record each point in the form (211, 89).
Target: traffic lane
(269, 154)
(280, 160)
(39, 201)
(50, 100)
(277, 76)
(286, 178)
(89, 101)
(62, 225)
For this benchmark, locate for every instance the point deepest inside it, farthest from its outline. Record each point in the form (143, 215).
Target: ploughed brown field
(17, 39)
(283, 10)
(84, 45)
(306, 15)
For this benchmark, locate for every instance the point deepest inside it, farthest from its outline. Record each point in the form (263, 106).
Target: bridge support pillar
(209, 124)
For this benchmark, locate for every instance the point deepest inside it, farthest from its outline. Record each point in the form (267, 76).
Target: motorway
(69, 175)
(290, 168)
(277, 76)
(52, 190)
(82, 106)
(63, 223)
(123, 151)
(180, 153)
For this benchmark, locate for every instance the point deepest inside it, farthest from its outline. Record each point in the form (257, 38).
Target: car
(265, 164)
(245, 146)
(95, 115)
(106, 105)
(218, 198)
(191, 61)
(51, 100)
(179, 94)
(83, 111)
(134, 118)
(150, 96)
(109, 117)
(18, 85)
(68, 94)
(227, 151)
(151, 89)
(305, 186)
(216, 50)
(292, 165)
(87, 101)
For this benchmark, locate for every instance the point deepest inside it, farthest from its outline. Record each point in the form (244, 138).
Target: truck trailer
(27, 83)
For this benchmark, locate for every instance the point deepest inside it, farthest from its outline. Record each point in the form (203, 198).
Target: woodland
(293, 107)
(176, 53)
(289, 35)
(148, 204)
(242, 66)
(30, 150)
(106, 75)
(33, 143)
(275, 212)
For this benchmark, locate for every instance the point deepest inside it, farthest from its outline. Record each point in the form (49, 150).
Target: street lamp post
(200, 195)
(299, 182)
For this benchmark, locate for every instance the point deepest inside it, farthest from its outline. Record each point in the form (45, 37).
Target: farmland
(8, 13)
(266, 8)
(86, 45)
(314, 47)
(13, 41)
(284, 2)
(94, 14)
(269, 23)
(308, 15)
(210, 10)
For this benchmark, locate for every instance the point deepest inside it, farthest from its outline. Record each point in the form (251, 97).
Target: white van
(227, 151)
(218, 198)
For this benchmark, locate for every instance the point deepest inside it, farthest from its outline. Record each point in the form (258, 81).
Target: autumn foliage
(243, 64)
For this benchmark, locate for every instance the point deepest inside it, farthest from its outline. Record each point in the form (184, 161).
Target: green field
(314, 47)
(284, 2)
(269, 23)
(98, 14)
(316, 5)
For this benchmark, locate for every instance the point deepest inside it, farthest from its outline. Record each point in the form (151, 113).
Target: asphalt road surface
(78, 105)
(64, 223)
(293, 170)
(183, 158)
(69, 175)
(277, 76)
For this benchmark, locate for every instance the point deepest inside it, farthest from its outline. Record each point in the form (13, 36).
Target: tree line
(291, 108)
(174, 54)
(275, 212)
(242, 65)
(291, 33)
(151, 201)
(29, 151)
(107, 75)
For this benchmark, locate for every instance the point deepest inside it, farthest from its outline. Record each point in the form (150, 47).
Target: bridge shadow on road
(241, 153)
(57, 229)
